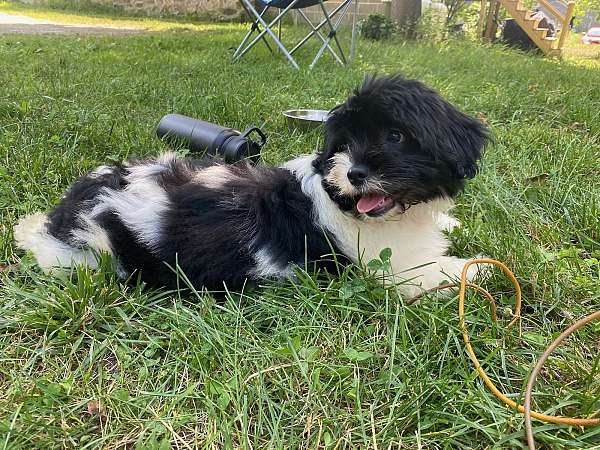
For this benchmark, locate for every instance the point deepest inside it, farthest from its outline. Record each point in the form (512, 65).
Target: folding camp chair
(331, 21)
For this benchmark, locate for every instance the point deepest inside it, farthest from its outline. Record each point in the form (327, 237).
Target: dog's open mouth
(374, 205)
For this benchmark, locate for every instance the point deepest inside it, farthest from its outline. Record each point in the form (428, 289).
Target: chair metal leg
(331, 35)
(243, 42)
(353, 38)
(318, 27)
(253, 28)
(279, 30)
(318, 33)
(333, 30)
(270, 32)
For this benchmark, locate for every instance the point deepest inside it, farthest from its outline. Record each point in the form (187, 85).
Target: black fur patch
(212, 234)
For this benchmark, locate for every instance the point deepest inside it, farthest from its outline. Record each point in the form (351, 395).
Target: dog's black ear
(456, 136)
(441, 129)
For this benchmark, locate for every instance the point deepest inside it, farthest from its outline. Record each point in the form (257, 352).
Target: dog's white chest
(414, 238)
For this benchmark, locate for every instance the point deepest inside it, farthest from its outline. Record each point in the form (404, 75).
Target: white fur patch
(151, 169)
(373, 184)
(100, 171)
(92, 235)
(167, 158)
(140, 206)
(338, 175)
(31, 234)
(214, 177)
(446, 222)
(266, 267)
(142, 171)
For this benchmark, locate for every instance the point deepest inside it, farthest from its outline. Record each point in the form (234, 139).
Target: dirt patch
(62, 29)
(22, 24)
(47, 28)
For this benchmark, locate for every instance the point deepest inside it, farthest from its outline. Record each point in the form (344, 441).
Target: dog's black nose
(358, 174)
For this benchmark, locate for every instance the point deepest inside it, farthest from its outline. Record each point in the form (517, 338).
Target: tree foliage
(454, 7)
(583, 6)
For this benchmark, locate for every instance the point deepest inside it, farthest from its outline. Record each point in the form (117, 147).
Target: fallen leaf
(8, 267)
(96, 409)
(576, 126)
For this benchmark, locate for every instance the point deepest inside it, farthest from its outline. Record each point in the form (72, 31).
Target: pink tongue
(370, 202)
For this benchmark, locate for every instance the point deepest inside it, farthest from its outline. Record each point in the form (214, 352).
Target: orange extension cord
(526, 408)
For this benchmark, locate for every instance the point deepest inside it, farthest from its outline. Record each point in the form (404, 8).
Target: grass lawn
(87, 362)
(578, 53)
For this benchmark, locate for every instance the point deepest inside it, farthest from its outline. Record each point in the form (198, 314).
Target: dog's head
(395, 143)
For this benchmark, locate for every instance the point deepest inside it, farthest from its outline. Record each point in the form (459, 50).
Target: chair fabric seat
(285, 3)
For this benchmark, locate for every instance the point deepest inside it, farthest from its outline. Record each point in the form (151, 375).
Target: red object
(592, 36)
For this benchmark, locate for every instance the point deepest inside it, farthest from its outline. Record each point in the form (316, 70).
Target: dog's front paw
(452, 268)
(476, 273)
(447, 269)
(447, 223)
(479, 272)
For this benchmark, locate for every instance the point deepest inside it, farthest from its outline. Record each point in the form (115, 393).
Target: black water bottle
(200, 136)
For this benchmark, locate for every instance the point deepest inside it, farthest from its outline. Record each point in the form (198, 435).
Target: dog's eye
(396, 136)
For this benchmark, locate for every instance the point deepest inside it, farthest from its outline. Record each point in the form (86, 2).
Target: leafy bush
(438, 25)
(431, 25)
(377, 27)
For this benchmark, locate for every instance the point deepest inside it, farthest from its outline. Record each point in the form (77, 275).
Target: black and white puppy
(394, 156)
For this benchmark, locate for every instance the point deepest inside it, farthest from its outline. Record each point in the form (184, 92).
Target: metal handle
(248, 131)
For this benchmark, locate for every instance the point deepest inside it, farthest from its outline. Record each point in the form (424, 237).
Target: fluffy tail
(31, 233)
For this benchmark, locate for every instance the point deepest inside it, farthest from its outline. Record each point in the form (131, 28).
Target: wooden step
(531, 26)
(542, 32)
(520, 16)
(523, 14)
(548, 45)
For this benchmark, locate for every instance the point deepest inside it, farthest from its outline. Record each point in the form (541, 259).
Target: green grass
(324, 363)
